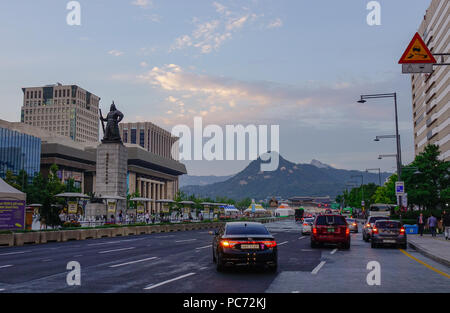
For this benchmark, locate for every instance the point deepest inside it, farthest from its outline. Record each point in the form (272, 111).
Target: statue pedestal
(111, 176)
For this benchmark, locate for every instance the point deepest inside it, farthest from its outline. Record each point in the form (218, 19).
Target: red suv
(330, 228)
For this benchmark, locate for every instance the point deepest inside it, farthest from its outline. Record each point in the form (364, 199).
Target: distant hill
(187, 180)
(288, 180)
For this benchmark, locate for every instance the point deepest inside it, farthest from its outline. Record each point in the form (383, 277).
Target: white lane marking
(203, 268)
(47, 260)
(318, 267)
(209, 246)
(5, 266)
(11, 253)
(133, 262)
(283, 243)
(185, 240)
(302, 237)
(103, 243)
(334, 251)
(168, 281)
(307, 250)
(123, 249)
(295, 291)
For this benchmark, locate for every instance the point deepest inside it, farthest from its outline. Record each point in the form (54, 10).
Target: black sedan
(244, 243)
(387, 232)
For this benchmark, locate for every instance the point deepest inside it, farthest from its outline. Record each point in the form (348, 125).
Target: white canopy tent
(8, 192)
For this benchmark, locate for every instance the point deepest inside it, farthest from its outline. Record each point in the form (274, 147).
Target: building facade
(18, 152)
(67, 110)
(150, 137)
(151, 175)
(430, 92)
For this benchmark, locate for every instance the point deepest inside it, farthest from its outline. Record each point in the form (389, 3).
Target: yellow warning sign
(417, 52)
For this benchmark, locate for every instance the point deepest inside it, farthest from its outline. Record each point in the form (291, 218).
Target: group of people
(432, 224)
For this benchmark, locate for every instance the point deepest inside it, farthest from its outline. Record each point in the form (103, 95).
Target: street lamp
(375, 169)
(381, 156)
(397, 136)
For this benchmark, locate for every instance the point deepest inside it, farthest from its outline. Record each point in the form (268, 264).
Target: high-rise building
(150, 137)
(430, 92)
(66, 110)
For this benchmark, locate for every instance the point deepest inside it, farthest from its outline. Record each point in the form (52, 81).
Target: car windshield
(373, 219)
(388, 224)
(246, 229)
(350, 220)
(331, 220)
(309, 220)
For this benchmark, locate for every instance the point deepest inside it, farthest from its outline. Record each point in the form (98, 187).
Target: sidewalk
(436, 248)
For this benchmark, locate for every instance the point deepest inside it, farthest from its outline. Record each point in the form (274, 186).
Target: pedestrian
(147, 217)
(432, 223)
(421, 223)
(446, 224)
(120, 217)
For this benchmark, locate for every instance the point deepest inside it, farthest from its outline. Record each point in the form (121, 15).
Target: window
(331, 220)
(133, 136)
(125, 136)
(141, 138)
(246, 229)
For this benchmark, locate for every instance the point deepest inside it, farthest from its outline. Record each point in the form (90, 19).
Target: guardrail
(42, 237)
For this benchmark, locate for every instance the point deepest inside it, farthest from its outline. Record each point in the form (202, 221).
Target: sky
(294, 63)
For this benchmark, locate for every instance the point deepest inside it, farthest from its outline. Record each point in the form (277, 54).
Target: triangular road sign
(417, 52)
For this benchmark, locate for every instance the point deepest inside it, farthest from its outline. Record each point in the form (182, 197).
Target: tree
(50, 204)
(429, 188)
(11, 179)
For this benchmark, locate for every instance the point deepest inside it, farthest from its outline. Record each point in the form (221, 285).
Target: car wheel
(214, 257)
(347, 245)
(404, 246)
(273, 268)
(373, 245)
(219, 263)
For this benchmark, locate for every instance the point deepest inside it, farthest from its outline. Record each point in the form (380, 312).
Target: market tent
(8, 192)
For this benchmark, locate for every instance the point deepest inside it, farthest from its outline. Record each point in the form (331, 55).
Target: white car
(307, 225)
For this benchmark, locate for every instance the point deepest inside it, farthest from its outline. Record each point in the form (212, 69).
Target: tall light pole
(375, 169)
(397, 136)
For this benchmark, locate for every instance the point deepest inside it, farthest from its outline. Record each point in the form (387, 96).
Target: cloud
(115, 53)
(227, 100)
(142, 3)
(275, 23)
(143, 64)
(210, 35)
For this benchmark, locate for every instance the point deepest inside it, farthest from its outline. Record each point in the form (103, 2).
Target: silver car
(352, 224)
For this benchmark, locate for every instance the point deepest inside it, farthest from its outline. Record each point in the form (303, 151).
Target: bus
(380, 209)
(299, 214)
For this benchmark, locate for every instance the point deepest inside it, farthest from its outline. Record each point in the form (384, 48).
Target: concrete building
(150, 137)
(67, 110)
(430, 92)
(151, 175)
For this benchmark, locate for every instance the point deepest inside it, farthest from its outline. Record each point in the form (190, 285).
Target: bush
(71, 224)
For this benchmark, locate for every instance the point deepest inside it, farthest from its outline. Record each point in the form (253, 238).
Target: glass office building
(19, 151)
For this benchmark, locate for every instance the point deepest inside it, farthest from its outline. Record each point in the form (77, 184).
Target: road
(181, 262)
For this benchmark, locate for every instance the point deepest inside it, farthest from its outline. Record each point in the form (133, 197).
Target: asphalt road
(182, 262)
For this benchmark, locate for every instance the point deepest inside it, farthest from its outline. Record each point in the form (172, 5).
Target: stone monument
(112, 163)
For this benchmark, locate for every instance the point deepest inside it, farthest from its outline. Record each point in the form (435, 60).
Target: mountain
(319, 164)
(288, 180)
(188, 180)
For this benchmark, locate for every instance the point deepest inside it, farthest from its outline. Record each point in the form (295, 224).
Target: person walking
(421, 223)
(446, 224)
(432, 223)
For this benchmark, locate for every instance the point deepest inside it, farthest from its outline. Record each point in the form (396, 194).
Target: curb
(427, 253)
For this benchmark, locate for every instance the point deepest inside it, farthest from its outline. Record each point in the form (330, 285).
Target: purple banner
(12, 214)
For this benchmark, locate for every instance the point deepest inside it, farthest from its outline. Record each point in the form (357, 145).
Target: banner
(73, 207)
(112, 207)
(140, 208)
(165, 207)
(12, 214)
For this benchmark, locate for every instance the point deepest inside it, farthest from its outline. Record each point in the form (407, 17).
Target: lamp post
(375, 169)
(397, 136)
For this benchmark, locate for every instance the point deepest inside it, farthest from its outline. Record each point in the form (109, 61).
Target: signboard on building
(12, 214)
(417, 58)
(165, 208)
(140, 208)
(112, 207)
(73, 207)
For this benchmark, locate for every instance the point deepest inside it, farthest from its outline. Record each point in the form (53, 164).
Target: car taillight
(402, 230)
(354, 224)
(270, 244)
(375, 230)
(305, 224)
(368, 225)
(347, 231)
(228, 244)
(314, 231)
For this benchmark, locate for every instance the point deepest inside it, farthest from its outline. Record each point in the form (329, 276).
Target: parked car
(244, 243)
(307, 225)
(352, 224)
(330, 229)
(386, 232)
(367, 229)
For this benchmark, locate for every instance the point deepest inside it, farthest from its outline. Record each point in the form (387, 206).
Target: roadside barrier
(42, 237)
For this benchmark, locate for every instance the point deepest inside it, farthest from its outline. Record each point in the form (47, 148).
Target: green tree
(11, 179)
(50, 204)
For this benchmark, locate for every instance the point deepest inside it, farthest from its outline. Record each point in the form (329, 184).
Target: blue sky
(300, 64)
